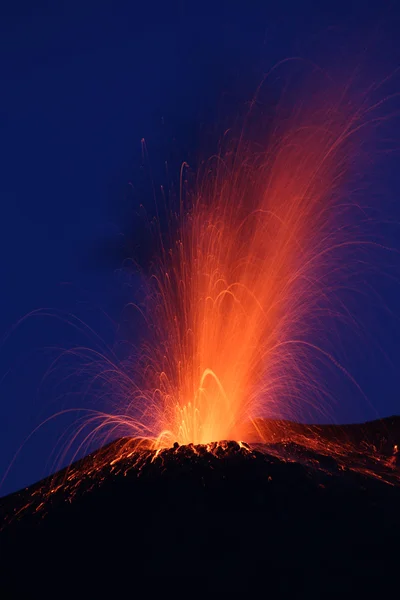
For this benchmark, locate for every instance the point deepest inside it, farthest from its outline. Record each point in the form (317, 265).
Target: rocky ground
(315, 508)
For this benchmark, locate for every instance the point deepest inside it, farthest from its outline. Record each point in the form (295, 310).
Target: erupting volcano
(245, 287)
(244, 291)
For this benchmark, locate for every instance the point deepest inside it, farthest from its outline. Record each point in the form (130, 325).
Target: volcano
(316, 506)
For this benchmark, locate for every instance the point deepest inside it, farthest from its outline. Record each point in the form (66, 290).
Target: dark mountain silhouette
(315, 508)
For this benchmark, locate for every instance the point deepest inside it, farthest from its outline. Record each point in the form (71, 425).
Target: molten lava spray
(243, 293)
(249, 276)
(245, 290)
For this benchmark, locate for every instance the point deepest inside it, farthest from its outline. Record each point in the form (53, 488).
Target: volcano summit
(318, 502)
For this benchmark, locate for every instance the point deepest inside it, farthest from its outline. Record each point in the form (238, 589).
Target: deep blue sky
(81, 84)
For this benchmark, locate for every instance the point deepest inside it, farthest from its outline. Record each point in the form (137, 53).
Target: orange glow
(244, 291)
(252, 269)
(240, 302)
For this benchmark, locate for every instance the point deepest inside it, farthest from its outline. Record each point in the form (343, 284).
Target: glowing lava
(244, 291)
(241, 298)
(252, 272)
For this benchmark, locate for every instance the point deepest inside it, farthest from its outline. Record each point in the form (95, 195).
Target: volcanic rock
(315, 508)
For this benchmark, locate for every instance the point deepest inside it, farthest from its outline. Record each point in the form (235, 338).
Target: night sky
(81, 84)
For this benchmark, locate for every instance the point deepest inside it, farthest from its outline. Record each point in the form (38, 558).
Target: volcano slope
(315, 507)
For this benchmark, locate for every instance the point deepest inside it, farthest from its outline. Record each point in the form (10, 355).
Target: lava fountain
(245, 288)
(237, 295)
(243, 293)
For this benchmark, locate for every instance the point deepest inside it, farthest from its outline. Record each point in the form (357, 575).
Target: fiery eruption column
(245, 288)
(246, 280)
(242, 302)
